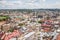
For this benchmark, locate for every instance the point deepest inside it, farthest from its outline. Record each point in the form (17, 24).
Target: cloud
(56, 5)
(43, 0)
(31, 4)
(19, 4)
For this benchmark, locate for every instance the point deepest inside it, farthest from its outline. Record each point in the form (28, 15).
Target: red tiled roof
(45, 25)
(13, 34)
(47, 29)
(58, 37)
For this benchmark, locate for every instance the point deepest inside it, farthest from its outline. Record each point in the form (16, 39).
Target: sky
(29, 4)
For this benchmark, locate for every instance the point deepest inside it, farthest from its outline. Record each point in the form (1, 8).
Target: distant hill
(30, 10)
